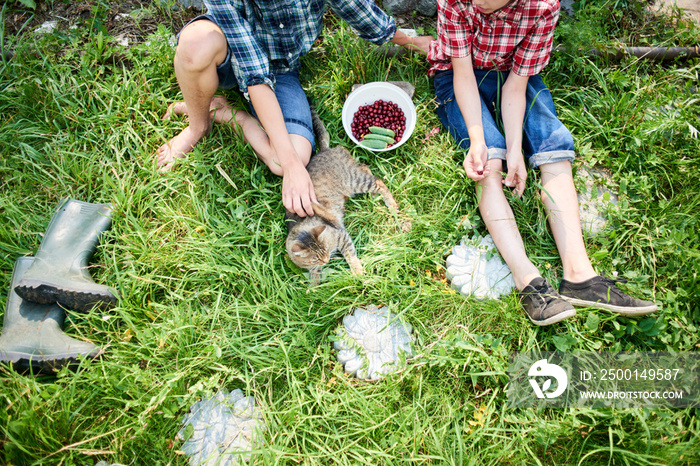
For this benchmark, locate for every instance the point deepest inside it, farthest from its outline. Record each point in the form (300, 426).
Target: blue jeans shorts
(545, 138)
(290, 95)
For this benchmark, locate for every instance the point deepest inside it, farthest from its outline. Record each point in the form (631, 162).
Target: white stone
(122, 40)
(46, 27)
(476, 269)
(223, 429)
(370, 342)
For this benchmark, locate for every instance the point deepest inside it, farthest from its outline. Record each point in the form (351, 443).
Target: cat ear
(318, 231)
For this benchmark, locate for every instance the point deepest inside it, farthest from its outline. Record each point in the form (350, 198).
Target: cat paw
(355, 266)
(315, 277)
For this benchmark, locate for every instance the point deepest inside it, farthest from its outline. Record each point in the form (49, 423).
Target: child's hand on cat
(298, 194)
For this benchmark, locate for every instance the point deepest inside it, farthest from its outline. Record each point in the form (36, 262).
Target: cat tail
(323, 139)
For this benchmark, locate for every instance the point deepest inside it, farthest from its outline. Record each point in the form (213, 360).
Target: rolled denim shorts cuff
(301, 130)
(543, 158)
(227, 79)
(496, 153)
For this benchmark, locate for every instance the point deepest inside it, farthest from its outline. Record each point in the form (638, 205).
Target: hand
(298, 194)
(475, 162)
(420, 44)
(517, 172)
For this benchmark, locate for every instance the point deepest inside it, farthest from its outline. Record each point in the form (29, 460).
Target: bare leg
(261, 145)
(561, 202)
(500, 221)
(201, 48)
(221, 111)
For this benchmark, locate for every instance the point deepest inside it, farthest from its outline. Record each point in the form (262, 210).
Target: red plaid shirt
(517, 37)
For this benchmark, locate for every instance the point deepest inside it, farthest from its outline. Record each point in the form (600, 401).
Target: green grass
(209, 299)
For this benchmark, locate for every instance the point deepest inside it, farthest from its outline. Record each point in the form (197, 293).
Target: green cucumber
(380, 137)
(373, 144)
(382, 131)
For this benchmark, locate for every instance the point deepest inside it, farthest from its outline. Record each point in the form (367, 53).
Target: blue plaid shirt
(270, 36)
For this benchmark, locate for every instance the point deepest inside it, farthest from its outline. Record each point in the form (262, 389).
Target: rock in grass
(372, 342)
(196, 4)
(399, 7)
(476, 269)
(222, 430)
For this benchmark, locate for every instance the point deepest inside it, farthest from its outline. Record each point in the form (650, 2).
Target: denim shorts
(545, 138)
(290, 95)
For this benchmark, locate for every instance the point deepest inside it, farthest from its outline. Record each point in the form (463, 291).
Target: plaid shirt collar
(512, 12)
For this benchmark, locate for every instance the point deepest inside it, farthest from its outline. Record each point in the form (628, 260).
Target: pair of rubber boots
(32, 335)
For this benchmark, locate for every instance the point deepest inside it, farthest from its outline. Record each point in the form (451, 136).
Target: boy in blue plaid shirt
(257, 45)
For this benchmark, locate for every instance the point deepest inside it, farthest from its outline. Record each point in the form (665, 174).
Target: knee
(546, 197)
(557, 170)
(494, 180)
(303, 148)
(200, 48)
(305, 156)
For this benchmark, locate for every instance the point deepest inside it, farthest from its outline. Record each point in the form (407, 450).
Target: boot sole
(76, 299)
(622, 310)
(25, 363)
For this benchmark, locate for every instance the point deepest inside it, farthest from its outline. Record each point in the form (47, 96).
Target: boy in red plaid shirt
(485, 62)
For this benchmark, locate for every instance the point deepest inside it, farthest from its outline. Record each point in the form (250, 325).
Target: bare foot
(177, 148)
(219, 110)
(177, 108)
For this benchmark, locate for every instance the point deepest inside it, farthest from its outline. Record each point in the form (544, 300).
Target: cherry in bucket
(382, 113)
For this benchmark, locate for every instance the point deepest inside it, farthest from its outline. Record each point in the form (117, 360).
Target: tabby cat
(336, 176)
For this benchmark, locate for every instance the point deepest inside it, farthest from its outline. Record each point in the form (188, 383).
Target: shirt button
(290, 54)
(281, 26)
(488, 30)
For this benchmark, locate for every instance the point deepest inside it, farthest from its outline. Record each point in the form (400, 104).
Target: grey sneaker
(602, 293)
(543, 304)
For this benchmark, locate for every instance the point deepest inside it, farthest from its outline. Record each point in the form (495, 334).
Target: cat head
(308, 249)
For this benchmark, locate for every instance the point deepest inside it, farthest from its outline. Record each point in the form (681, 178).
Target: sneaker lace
(611, 281)
(546, 291)
(614, 290)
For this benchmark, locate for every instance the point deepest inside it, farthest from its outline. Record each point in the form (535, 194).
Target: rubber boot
(32, 336)
(59, 273)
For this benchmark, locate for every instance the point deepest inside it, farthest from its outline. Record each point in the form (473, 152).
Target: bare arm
(297, 190)
(420, 43)
(513, 110)
(469, 101)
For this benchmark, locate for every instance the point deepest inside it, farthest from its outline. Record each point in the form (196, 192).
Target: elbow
(515, 86)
